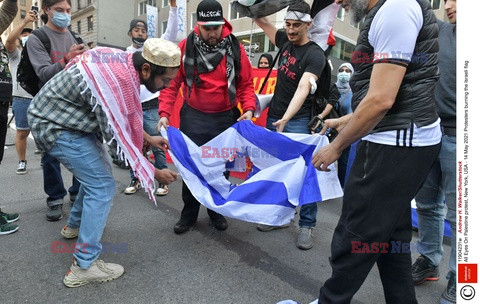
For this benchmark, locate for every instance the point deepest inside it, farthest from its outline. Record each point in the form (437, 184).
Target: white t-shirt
(14, 58)
(394, 31)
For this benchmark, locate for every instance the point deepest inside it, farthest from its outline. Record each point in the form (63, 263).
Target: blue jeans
(150, 121)
(439, 187)
(19, 109)
(308, 213)
(84, 155)
(53, 181)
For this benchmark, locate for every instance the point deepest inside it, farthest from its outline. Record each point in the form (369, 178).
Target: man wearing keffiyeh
(98, 95)
(216, 77)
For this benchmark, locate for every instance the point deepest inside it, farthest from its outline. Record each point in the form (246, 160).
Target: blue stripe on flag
(261, 192)
(179, 146)
(285, 148)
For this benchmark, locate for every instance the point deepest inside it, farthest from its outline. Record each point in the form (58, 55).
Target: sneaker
(37, 151)
(424, 270)
(121, 164)
(219, 222)
(162, 190)
(6, 228)
(265, 228)
(98, 272)
(449, 295)
(9, 217)
(69, 233)
(134, 186)
(183, 226)
(73, 197)
(305, 238)
(22, 167)
(54, 213)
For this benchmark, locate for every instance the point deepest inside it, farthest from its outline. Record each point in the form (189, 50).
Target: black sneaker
(449, 295)
(183, 226)
(424, 270)
(54, 213)
(219, 222)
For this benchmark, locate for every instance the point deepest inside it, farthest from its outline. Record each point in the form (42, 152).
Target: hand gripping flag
(282, 178)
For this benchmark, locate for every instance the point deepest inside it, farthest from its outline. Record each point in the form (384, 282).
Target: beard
(150, 84)
(358, 10)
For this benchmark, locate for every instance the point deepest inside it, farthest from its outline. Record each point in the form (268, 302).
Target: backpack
(26, 75)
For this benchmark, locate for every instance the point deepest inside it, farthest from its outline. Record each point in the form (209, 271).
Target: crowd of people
(405, 127)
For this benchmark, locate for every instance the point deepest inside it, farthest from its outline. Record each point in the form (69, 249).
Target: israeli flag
(282, 177)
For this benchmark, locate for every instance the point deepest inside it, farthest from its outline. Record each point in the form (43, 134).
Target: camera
(315, 123)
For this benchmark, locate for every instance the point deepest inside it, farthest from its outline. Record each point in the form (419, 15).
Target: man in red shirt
(216, 76)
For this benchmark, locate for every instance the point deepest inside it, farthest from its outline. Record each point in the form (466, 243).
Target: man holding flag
(290, 111)
(216, 77)
(394, 115)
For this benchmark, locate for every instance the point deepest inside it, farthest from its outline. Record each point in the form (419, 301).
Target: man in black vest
(395, 64)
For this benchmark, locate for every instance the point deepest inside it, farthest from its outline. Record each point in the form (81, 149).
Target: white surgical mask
(344, 77)
(23, 40)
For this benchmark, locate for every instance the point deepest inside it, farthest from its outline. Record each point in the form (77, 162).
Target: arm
(245, 91)
(8, 11)
(297, 101)
(11, 43)
(269, 29)
(40, 59)
(379, 99)
(172, 24)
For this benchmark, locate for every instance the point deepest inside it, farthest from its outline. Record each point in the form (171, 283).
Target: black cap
(210, 13)
(26, 30)
(137, 23)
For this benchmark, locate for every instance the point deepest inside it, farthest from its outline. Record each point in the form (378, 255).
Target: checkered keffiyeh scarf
(111, 77)
(206, 58)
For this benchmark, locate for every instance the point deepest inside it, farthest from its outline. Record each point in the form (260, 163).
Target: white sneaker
(134, 186)
(22, 167)
(69, 233)
(162, 190)
(99, 272)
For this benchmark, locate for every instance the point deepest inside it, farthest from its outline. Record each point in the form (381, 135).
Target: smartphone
(35, 9)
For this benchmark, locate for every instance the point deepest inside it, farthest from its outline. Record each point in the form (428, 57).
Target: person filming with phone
(64, 45)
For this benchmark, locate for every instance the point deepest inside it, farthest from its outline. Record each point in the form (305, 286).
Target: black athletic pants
(377, 210)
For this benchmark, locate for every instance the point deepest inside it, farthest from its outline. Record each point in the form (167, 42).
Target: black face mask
(138, 41)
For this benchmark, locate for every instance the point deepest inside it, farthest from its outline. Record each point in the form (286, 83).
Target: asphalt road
(239, 265)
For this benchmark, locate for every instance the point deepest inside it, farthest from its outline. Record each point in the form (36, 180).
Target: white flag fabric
(182, 20)
(323, 15)
(152, 21)
(282, 177)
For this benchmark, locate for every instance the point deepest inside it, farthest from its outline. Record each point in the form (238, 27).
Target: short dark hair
(300, 6)
(48, 3)
(139, 61)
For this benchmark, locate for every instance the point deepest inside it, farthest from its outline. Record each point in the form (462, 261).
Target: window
(79, 26)
(435, 4)
(341, 14)
(342, 50)
(165, 3)
(23, 2)
(79, 4)
(142, 6)
(194, 20)
(90, 23)
(23, 14)
(234, 14)
(89, 2)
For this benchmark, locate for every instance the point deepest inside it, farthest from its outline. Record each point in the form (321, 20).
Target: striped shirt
(65, 103)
